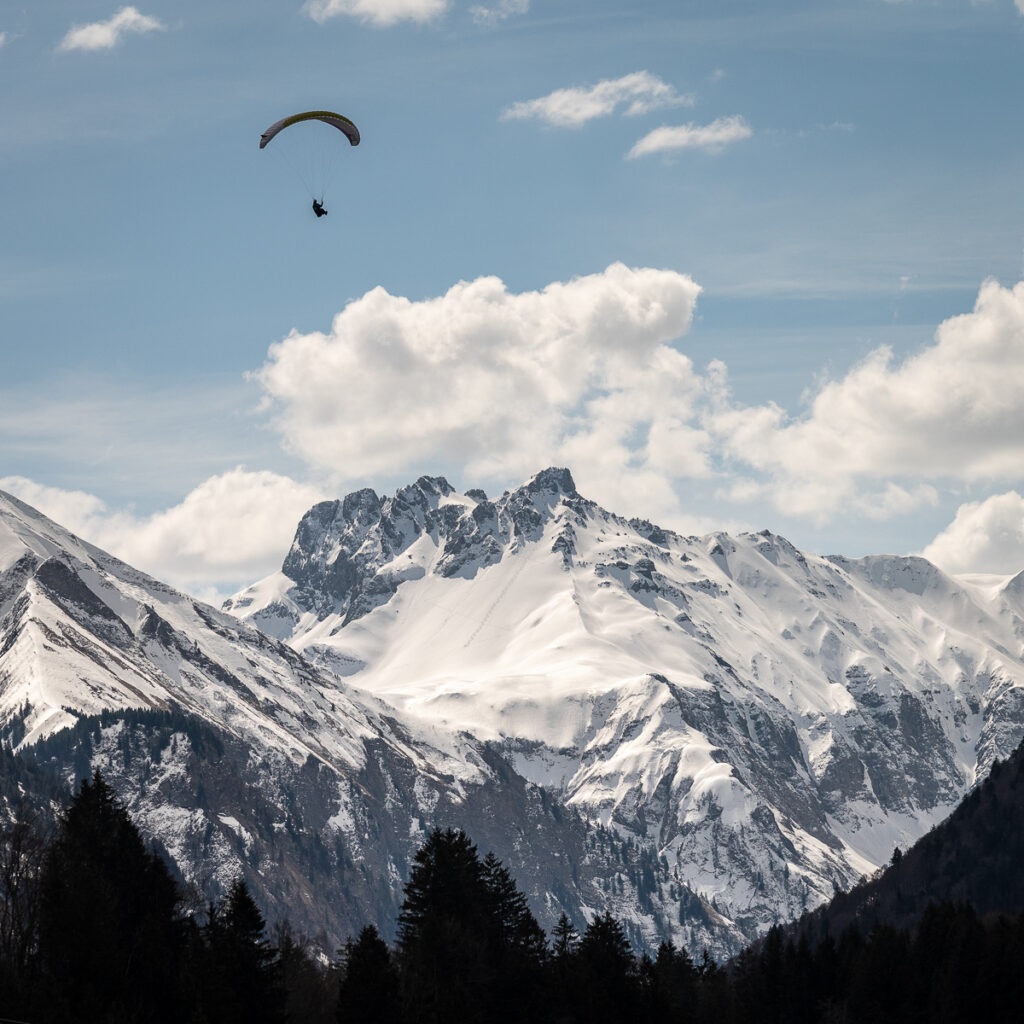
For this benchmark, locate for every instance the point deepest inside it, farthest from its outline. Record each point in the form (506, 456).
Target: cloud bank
(381, 13)
(493, 385)
(231, 529)
(580, 373)
(711, 138)
(640, 92)
(586, 373)
(953, 411)
(105, 35)
(985, 536)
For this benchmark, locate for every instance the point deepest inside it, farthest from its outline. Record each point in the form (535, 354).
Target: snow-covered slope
(770, 723)
(82, 633)
(237, 755)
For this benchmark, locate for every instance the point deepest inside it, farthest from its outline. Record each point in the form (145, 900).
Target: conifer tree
(111, 935)
(564, 975)
(565, 938)
(241, 980)
(611, 986)
(442, 932)
(518, 947)
(672, 982)
(311, 988)
(468, 946)
(515, 926)
(369, 992)
(22, 849)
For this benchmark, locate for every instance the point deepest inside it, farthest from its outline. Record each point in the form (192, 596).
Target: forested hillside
(94, 928)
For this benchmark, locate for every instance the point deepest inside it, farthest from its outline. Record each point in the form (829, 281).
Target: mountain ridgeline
(770, 724)
(239, 758)
(700, 736)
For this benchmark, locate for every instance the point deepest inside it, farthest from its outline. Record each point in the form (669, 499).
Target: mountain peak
(435, 485)
(553, 480)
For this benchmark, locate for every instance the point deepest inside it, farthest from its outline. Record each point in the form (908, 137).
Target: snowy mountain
(236, 755)
(767, 724)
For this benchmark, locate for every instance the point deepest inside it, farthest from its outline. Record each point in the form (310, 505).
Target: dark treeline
(974, 856)
(94, 928)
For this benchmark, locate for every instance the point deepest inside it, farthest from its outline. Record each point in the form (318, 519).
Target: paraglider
(314, 155)
(339, 121)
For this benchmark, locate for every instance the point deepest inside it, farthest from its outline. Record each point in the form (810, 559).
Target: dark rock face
(69, 591)
(325, 848)
(340, 559)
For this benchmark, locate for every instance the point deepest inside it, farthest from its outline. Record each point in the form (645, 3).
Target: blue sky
(684, 232)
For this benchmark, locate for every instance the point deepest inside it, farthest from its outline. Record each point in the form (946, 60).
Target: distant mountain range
(702, 735)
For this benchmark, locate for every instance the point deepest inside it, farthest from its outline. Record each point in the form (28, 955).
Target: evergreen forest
(95, 928)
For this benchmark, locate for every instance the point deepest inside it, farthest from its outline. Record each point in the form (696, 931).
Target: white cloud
(103, 35)
(3, 38)
(382, 13)
(1020, 5)
(580, 373)
(231, 529)
(504, 9)
(710, 137)
(572, 107)
(954, 410)
(985, 536)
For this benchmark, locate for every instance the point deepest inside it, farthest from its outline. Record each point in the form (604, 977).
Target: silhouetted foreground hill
(975, 856)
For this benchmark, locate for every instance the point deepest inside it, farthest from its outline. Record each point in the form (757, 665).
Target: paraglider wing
(339, 121)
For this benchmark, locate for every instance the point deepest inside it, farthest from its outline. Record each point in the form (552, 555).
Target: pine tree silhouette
(241, 981)
(611, 988)
(369, 992)
(111, 936)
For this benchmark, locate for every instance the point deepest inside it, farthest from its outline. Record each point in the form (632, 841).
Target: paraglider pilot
(318, 208)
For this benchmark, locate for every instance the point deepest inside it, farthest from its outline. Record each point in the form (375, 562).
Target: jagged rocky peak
(552, 481)
(775, 548)
(350, 556)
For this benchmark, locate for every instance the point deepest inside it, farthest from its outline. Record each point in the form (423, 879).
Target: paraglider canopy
(339, 121)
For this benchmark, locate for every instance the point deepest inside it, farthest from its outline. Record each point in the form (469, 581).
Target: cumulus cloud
(985, 536)
(231, 529)
(954, 410)
(382, 13)
(104, 35)
(581, 373)
(504, 9)
(639, 92)
(711, 138)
